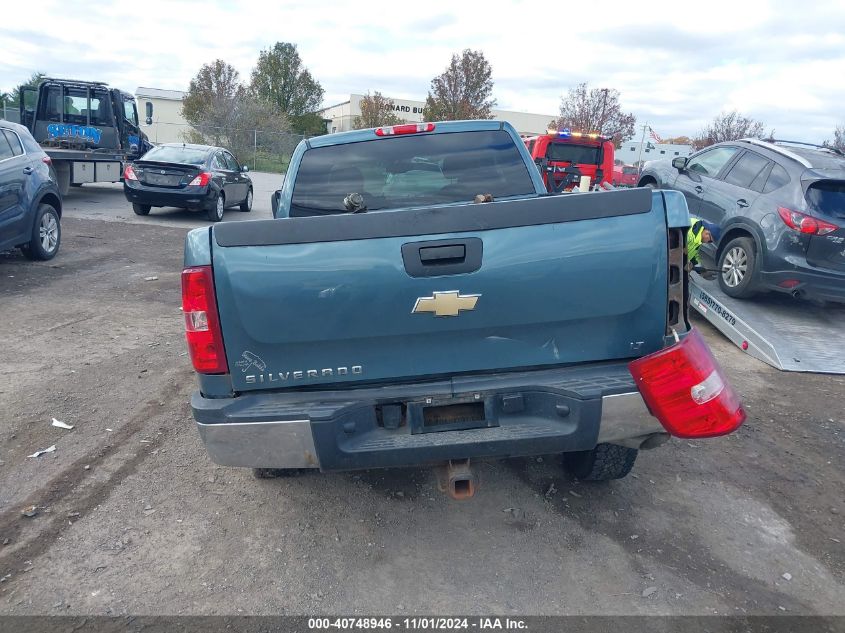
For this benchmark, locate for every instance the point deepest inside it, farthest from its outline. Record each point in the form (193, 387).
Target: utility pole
(640, 157)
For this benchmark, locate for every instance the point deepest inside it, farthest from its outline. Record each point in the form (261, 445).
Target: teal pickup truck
(386, 318)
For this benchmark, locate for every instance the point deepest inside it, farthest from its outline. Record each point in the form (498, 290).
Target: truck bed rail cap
(435, 220)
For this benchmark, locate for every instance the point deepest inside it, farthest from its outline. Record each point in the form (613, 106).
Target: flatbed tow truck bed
(786, 333)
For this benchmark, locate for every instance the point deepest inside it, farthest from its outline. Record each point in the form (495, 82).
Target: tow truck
(564, 157)
(86, 128)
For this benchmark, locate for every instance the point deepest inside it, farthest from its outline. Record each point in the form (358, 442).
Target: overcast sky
(677, 64)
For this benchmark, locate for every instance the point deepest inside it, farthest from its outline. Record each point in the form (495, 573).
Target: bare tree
(376, 110)
(839, 138)
(224, 112)
(462, 91)
(729, 126)
(211, 94)
(596, 110)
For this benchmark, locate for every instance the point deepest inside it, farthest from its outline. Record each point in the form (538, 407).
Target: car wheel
(246, 205)
(737, 264)
(604, 462)
(141, 209)
(215, 213)
(650, 184)
(46, 234)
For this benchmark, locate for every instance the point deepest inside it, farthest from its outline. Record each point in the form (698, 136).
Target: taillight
(686, 390)
(409, 128)
(129, 173)
(47, 160)
(202, 325)
(804, 223)
(201, 180)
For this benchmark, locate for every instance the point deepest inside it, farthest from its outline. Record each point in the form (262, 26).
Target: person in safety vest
(699, 233)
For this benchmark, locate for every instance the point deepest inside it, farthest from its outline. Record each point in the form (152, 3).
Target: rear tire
(141, 209)
(246, 205)
(603, 463)
(46, 235)
(215, 213)
(737, 268)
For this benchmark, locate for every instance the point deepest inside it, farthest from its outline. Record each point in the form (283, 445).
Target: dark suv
(778, 210)
(30, 204)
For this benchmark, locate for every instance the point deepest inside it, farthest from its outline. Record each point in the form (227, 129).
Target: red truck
(563, 157)
(625, 176)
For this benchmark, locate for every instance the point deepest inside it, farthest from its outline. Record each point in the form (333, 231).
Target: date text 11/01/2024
(417, 623)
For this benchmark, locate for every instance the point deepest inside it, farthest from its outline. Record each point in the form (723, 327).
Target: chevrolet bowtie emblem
(443, 304)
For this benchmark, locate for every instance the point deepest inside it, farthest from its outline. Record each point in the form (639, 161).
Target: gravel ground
(131, 517)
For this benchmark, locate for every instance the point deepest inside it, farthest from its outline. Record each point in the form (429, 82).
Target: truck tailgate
(420, 293)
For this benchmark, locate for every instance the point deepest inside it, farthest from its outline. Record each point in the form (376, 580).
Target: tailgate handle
(436, 258)
(439, 255)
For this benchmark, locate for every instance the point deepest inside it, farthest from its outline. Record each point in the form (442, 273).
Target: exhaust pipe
(458, 479)
(797, 294)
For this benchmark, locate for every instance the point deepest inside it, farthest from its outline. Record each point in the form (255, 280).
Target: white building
(630, 151)
(168, 123)
(342, 115)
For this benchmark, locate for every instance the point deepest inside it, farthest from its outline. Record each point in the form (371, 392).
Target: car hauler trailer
(786, 333)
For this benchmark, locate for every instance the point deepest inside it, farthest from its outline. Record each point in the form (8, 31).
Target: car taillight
(686, 390)
(409, 128)
(201, 180)
(202, 325)
(47, 160)
(129, 173)
(804, 223)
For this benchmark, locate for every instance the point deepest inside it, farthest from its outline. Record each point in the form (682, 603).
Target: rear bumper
(813, 283)
(329, 431)
(195, 198)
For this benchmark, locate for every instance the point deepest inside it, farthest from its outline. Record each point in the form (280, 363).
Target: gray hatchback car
(777, 210)
(30, 204)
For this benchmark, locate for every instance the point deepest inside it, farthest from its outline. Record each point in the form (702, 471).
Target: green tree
(596, 110)
(280, 78)
(308, 124)
(376, 111)
(729, 126)
(462, 91)
(12, 99)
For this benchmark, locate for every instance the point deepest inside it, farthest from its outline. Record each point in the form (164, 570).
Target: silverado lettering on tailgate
(299, 374)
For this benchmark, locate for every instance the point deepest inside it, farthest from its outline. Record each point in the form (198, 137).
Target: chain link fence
(262, 150)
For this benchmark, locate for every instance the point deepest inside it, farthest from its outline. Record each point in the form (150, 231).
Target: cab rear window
(410, 171)
(571, 153)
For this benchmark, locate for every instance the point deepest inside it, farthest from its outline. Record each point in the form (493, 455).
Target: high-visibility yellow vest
(694, 237)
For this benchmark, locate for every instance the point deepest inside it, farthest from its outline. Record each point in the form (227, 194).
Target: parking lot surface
(132, 517)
